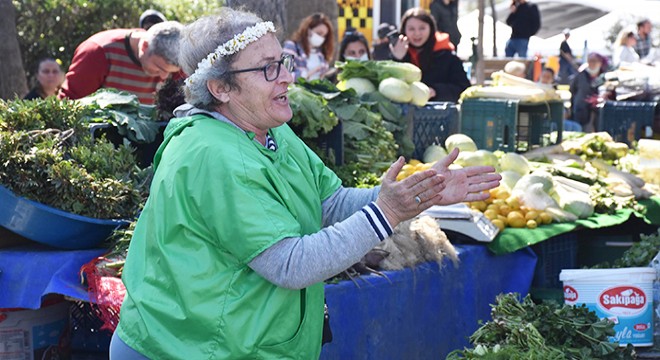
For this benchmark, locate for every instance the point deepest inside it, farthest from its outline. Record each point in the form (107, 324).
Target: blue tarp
(412, 314)
(28, 273)
(423, 313)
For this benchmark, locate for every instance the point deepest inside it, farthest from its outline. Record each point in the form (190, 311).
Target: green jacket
(218, 199)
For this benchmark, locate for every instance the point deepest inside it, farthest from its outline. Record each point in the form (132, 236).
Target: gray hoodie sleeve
(298, 262)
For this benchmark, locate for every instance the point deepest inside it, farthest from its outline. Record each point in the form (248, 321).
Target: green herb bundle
(525, 330)
(48, 155)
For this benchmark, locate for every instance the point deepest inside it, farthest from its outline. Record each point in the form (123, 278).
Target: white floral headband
(236, 44)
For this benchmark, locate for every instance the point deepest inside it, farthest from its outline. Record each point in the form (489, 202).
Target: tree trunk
(12, 74)
(494, 14)
(270, 10)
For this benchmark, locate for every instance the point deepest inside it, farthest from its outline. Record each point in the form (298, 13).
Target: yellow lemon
(499, 223)
(481, 205)
(531, 215)
(493, 207)
(499, 202)
(513, 202)
(502, 219)
(545, 217)
(407, 168)
(490, 214)
(414, 162)
(402, 175)
(531, 224)
(503, 194)
(515, 219)
(505, 210)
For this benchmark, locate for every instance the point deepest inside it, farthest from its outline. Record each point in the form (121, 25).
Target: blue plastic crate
(433, 123)
(553, 255)
(626, 121)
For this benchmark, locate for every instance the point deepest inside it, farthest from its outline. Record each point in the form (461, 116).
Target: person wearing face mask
(312, 45)
(49, 79)
(354, 46)
(431, 51)
(584, 90)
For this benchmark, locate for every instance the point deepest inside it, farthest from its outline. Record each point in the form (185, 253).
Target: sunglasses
(272, 69)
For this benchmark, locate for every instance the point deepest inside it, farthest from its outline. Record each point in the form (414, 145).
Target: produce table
(514, 239)
(420, 314)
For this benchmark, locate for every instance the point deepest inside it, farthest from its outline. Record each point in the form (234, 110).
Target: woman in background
(49, 78)
(625, 52)
(313, 47)
(421, 45)
(354, 46)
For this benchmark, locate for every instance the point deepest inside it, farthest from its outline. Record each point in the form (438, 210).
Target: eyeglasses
(272, 69)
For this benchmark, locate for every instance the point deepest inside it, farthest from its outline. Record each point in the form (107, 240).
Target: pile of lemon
(412, 167)
(504, 210)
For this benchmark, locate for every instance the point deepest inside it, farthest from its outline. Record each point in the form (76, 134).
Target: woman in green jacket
(244, 222)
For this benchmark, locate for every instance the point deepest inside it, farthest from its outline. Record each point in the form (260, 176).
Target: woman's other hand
(405, 199)
(467, 184)
(400, 49)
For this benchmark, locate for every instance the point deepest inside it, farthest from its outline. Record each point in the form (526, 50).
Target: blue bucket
(51, 226)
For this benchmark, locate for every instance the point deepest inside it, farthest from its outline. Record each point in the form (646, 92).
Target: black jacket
(525, 21)
(445, 74)
(446, 17)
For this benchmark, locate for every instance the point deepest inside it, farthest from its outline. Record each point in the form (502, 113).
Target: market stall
(424, 311)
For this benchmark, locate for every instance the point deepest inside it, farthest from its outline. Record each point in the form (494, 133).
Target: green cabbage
(460, 141)
(420, 93)
(395, 90)
(434, 153)
(514, 162)
(360, 85)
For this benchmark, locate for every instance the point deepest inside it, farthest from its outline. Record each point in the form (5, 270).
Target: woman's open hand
(467, 184)
(399, 49)
(405, 199)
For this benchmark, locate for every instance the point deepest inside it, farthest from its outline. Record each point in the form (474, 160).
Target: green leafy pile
(640, 254)
(48, 155)
(525, 330)
(134, 121)
(369, 127)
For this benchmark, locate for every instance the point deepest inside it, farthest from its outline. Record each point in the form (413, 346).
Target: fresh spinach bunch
(525, 330)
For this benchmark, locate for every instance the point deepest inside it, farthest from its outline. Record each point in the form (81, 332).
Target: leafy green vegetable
(524, 330)
(64, 167)
(377, 71)
(134, 121)
(639, 254)
(369, 147)
(311, 115)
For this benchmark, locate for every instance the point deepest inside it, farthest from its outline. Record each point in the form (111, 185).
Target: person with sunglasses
(243, 221)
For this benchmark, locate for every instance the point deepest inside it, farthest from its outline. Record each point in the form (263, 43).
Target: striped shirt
(104, 61)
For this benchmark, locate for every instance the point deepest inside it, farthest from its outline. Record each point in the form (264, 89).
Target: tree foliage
(54, 28)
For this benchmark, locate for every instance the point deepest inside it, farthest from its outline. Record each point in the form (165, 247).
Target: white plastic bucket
(624, 295)
(34, 334)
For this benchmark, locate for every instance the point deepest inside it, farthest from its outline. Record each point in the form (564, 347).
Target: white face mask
(315, 39)
(593, 72)
(364, 57)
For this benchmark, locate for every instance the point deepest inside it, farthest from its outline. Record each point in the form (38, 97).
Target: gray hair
(201, 38)
(164, 39)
